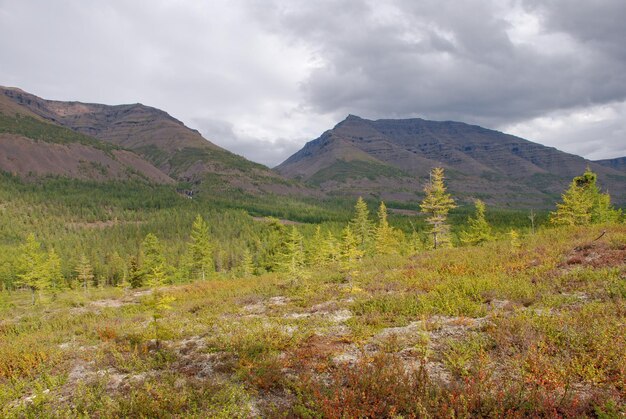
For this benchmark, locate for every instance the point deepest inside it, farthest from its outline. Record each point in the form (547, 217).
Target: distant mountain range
(147, 137)
(391, 159)
(383, 159)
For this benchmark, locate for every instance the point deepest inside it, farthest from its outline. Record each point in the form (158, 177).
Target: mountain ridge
(495, 166)
(177, 150)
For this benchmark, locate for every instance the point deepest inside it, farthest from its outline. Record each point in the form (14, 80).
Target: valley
(390, 268)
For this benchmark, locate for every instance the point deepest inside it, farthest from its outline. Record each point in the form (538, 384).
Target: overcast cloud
(263, 77)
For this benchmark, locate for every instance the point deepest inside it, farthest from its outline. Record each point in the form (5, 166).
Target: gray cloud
(262, 78)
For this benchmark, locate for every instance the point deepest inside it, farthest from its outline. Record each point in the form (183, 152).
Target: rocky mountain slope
(178, 151)
(618, 163)
(392, 158)
(32, 146)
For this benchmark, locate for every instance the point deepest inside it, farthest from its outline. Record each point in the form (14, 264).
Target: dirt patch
(111, 303)
(596, 255)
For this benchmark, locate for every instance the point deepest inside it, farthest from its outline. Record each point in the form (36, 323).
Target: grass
(482, 331)
(343, 170)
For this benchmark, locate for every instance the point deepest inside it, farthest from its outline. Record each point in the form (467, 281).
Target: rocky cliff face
(166, 142)
(392, 159)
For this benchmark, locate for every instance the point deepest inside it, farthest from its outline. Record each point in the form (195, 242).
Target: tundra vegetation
(126, 299)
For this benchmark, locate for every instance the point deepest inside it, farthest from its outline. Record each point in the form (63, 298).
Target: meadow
(524, 324)
(492, 331)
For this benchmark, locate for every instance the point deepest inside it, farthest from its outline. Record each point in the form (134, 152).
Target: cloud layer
(262, 78)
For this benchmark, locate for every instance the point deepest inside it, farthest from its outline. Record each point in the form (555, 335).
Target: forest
(294, 307)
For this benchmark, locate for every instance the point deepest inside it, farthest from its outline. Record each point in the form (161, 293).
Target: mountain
(176, 150)
(32, 146)
(618, 163)
(391, 159)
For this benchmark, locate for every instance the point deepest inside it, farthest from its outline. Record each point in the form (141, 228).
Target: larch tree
(31, 264)
(157, 303)
(361, 225)
(200, 257)
(293, 257)
(117, 270)
(246, 268)
(84, 272)
(318, 252)
(154, 266)
(386, 240)
(350, 254)
(583, 203)
(135, 275)
(53, 270)
(603, 211)
(332, 247)
(478, 230)
(436, 205)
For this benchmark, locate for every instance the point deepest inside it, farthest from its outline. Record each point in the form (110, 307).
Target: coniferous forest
(133, 299)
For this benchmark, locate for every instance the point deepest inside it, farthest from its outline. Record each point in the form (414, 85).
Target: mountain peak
(386, 157)
(152, 134)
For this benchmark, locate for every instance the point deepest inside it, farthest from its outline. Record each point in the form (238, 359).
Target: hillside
(392, 158)
(618, 163)
(31, 146)
(167, 143)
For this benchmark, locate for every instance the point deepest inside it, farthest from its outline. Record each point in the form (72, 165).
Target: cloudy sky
(263, 77)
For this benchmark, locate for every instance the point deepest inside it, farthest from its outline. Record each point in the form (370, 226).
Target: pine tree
(436, 205)
(479, 230)
(32, 266)
(200, 250)
(293, 257)
(84, 272)
(154, 266)
(386, 241)
(361, 225)
(350, 254)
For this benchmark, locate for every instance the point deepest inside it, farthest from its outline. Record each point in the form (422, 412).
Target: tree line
(284, 249)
